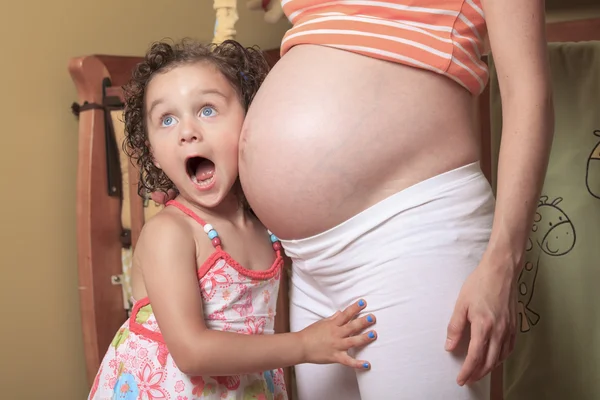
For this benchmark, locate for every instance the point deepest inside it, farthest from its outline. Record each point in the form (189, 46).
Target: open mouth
(201, 171)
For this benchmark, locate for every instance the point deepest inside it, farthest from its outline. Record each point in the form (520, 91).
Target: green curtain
(557, 354)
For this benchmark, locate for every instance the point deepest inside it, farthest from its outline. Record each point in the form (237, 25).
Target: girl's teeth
(204, 182)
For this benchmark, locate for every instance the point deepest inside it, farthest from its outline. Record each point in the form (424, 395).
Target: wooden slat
(98, 222)
(573, 31)
(119, 67)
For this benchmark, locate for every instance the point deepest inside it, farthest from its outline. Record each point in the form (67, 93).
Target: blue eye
(167, 121)
(208, 112)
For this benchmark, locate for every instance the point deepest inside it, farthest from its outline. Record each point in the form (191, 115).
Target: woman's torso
(331, 133)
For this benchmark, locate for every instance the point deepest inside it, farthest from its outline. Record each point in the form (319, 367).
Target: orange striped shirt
(444, 36)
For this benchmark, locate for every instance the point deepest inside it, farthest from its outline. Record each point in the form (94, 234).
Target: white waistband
(423, 192)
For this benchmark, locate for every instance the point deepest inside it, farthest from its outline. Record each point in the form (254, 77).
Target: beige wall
(42, 352)
(40, 335)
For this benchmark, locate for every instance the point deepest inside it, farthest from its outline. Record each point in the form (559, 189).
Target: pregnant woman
(361, 154)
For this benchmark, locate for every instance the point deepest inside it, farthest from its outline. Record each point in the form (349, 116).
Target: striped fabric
(444, 36)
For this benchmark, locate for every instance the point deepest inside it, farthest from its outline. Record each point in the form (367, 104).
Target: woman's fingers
(476, 354)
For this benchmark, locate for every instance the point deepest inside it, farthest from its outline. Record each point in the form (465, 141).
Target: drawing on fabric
(592, 172)
(552, 235)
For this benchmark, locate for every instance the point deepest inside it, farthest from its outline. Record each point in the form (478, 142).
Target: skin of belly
(331, 133)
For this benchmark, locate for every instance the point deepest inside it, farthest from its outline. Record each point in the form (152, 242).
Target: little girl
(205, 273)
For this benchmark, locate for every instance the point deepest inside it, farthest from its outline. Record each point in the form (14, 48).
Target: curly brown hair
(244, 67)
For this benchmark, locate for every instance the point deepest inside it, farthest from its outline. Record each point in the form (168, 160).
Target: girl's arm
(166, 252)
(488, 298)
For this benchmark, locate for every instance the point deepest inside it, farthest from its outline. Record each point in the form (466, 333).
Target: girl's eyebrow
(161, 100)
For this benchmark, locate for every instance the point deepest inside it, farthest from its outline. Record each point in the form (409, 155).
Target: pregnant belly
(331, 133)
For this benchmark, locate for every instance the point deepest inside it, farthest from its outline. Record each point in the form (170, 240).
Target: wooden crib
(110, 213)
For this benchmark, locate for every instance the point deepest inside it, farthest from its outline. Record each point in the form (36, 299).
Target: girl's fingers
(359, 340)
(358, 325)
(351, 312)
(347, 360)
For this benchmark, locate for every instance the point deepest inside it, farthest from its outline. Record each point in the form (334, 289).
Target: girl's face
(194, 119)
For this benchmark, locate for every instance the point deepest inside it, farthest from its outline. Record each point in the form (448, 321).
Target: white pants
(408, 257)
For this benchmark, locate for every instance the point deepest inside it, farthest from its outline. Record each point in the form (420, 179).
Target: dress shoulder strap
(208, 228)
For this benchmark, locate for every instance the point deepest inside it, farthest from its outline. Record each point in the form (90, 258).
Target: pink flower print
(266, 296)
(132, 345)
(179, 386)
(278, 378)
(112, 382)
(163, 352)
(142, 353)
(149, 382)
(227, 326)
(213, 279)
(201, 387)
(198, 383)
(182, 398)
(129, 361)
(277, 275)
(226, 294)
(135, 362)
(255, 282)
(271, 314)
(230, 382)
(244, 308)
(96, 382)
(255, 325)
(113, 364)
(217, 316)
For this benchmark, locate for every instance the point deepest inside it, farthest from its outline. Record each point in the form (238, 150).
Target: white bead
(270, 233)
(208, 228)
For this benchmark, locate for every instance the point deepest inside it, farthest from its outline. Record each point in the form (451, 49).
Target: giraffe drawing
(552, 234)
(592, 172)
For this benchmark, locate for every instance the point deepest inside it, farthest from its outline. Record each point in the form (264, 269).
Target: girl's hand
(327, 341)
(486, 303)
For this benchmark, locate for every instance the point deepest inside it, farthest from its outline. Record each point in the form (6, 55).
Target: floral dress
(138, 365)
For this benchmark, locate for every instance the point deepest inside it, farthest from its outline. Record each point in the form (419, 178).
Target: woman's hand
(487, 301)
(327, 341)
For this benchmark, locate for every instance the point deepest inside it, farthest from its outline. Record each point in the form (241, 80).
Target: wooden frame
(99, 227)
(566, 31)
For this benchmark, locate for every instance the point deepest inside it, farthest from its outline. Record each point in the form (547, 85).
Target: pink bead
(216, 241)
(277, 246)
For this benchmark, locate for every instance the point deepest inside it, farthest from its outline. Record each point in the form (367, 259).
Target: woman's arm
(166, 252)
(516, 31)
(519, 48)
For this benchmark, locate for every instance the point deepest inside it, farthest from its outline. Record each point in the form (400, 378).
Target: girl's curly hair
(244, 68)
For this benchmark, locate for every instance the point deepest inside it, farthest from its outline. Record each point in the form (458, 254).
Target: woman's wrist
(505, 257)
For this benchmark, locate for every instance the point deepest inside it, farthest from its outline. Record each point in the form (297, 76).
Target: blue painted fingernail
(369, 318)
(371, 335)
(366, 365)
(361, 303)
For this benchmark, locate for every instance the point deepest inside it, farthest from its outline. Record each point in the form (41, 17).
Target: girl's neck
(231, 209)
